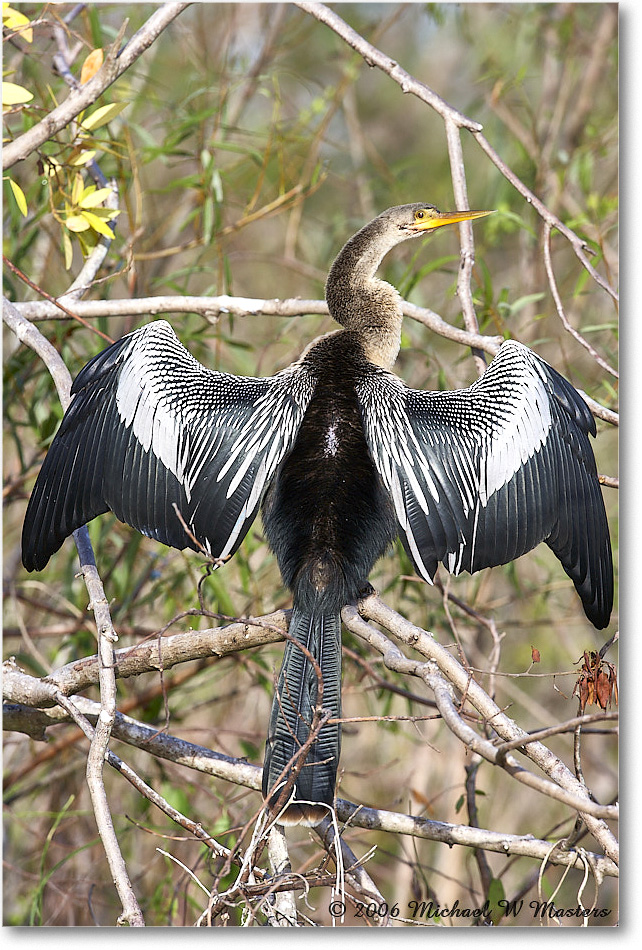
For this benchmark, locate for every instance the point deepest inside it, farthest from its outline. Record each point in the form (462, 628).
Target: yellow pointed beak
(437, 219)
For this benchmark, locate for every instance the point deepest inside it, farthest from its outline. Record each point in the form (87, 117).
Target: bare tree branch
(213, 307)
(159, 653)
(578, 245)
(464, 273)
(116, 62)
(132, 914)
(243, 773)
(575, 793)
(452, 117)
(559, 306)
(375, 57)
(31, 336)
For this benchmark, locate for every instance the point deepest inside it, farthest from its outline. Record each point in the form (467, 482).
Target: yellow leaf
(98, 224)
(91, 65)
(13, 95)
(76, 222)
(103, 115)
(83, 159)
(16, 21)
(91, 199)
(77, 190)
(68, 249)
(19, 195)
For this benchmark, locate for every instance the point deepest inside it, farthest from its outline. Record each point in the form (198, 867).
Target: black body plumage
(342, 457)
(328, 518)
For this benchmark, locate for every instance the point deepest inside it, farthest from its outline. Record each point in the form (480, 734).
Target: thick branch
(161, 653)
(395, 823)
(563, 788)
(214, 307)
(243, 773)
(210, 307)
(31, 336)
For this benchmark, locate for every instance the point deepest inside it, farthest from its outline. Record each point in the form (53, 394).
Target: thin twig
(374, 57)
(559, 306)
(467, 252)
(52, 300)
(578, 245)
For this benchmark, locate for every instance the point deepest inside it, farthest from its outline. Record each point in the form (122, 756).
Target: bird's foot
(366, 591)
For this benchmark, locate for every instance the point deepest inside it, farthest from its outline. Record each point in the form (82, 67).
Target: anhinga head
(365, 304)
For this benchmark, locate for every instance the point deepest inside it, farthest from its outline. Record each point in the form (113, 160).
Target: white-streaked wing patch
(446, 454)
(193, 420)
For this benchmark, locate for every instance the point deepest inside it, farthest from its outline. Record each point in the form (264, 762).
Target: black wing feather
(482, 475)
(148, 428)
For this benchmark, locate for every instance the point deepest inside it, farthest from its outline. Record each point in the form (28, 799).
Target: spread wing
(482, 475)
(148, 428)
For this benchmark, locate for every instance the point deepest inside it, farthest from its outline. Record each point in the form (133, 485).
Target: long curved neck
(362, 302)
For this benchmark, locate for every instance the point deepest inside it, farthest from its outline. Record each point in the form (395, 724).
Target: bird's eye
(419, 215)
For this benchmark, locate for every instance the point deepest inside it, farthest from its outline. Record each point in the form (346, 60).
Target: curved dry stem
(454, 121)
(563, 785)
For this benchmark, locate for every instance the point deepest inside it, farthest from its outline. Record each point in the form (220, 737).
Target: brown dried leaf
(597, 682)
(91, 65)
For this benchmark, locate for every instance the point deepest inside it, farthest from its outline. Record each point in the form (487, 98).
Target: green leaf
(495, 895)
(208, 219)
(222, 824)
(524, 301)
(177, 797)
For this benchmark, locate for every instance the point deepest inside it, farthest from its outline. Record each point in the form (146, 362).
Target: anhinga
(342, 457)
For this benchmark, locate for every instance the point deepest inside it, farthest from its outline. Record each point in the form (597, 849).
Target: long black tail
(295, 702)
